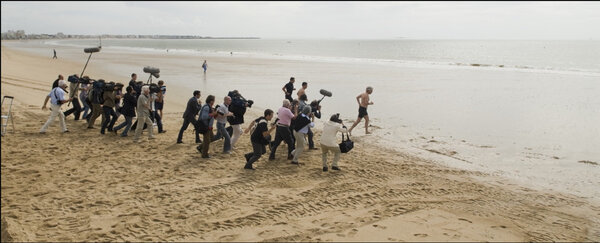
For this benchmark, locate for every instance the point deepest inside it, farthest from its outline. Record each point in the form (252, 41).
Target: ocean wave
(354, 60)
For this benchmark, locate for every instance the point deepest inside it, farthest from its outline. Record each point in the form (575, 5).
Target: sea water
(525, 110)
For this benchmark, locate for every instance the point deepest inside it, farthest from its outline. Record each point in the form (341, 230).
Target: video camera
(238, 100)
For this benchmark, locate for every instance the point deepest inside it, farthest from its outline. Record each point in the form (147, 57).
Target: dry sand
(82, 186)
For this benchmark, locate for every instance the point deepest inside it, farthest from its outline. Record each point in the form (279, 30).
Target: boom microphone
(91, 50)
(325, 92)
(151, 70)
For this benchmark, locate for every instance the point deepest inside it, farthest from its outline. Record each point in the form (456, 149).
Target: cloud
(454, 20)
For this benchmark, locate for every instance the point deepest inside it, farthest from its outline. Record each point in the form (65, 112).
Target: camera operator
(110, 117)
(238, 108)
(57, 98)
(97, 100)
(74, 90)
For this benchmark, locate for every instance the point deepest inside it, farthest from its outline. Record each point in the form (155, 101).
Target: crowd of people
(292, 124)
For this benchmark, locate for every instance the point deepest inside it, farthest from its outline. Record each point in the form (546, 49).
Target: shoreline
(377, 186)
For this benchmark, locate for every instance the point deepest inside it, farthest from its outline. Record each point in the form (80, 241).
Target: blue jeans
(86, 109)
(127, 124)
(222, 132)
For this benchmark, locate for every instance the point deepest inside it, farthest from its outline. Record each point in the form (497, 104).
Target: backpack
(200, 126)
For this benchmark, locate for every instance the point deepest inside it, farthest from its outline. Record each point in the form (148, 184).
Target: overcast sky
(353, 20)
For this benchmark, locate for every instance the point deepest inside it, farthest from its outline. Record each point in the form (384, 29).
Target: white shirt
(55, 94)
(328, 137)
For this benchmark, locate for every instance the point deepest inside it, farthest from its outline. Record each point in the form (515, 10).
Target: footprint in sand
(421, 235)
(465, 220)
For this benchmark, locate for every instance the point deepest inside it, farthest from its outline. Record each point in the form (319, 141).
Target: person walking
(128, 111)
(222, 114)
(54, 57)
(207, 115)
(329, 143)
(189, 116)
(204, 66)
(57, 98)
(303, 122)
(143, 114)
(282, 133)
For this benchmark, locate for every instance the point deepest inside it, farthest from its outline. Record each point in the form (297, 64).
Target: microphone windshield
(91, 50)
(325, 92)
(151, 70)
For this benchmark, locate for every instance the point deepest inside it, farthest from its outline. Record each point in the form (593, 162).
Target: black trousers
(76, 110)
(258, 150)
(282, 134)
(186, 123)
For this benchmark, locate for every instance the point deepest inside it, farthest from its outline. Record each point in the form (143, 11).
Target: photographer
(110, 117)
(260, 137)
(57, 98)
(328, 140)
(238, 108)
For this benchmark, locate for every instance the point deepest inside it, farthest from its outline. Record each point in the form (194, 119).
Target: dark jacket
(129, 104)
(191, 109)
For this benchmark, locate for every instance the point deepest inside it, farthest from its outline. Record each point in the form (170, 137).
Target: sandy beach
(83, 186)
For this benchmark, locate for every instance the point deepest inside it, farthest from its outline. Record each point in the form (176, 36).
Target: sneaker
(325, 169)
(90, 127)
(248, 167)
(42, 132)
(335, 168)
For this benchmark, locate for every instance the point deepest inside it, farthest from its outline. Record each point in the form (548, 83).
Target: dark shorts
(362, 112)
(158, 105)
